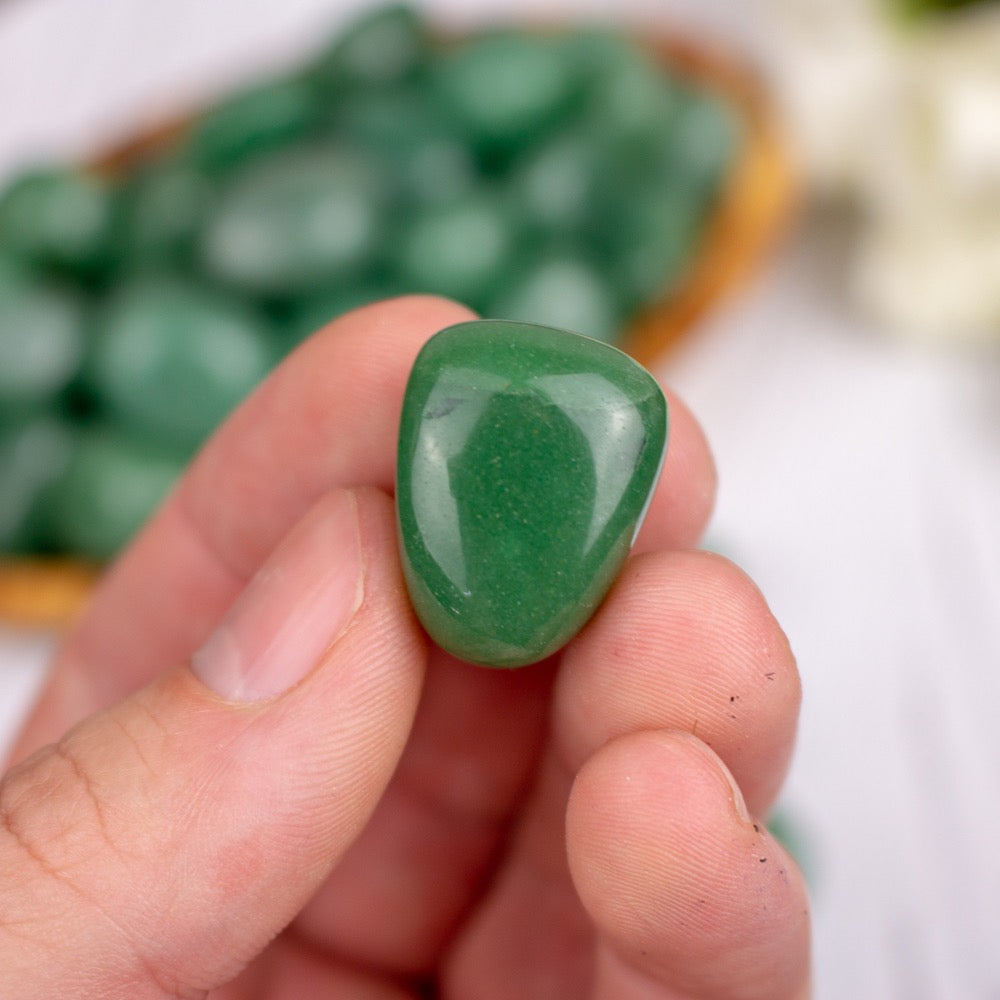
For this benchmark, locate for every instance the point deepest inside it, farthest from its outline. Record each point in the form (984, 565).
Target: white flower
(905, 118)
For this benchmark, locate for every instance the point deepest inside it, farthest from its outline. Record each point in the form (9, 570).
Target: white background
(860, 486)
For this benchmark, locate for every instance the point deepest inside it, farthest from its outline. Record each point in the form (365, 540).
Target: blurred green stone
(58, 216)
(380, 48)
(12, 271)
(259, 118)
(34, 453)
(561, 289)
(111, 486)
(170, 360)
(654, 243)
(703, 143)
(933, 8)
(505, 89)
(296, 220)
(786, 827)
(411, 139)
(42, 329)
(630, 102)
(163, 206)
(555, 183)
(459, 249)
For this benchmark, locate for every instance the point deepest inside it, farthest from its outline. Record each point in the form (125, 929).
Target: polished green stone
(504, 88)
(170, 359)
(411, 137)
(459, 248)
(297, 220)
(262, 117)
(555, 183)
(163, 205)
(379, 48)
(704, 142)
(42, 335)
(527, 458)
(653, 241)
(58, 216)
(111, 486)
(34, 453)
(561, 288)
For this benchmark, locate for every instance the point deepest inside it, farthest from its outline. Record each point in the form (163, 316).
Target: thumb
(162, 843)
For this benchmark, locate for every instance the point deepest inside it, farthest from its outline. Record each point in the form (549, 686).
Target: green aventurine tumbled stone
(170, 359)
(41, 341)
(527, 458)
(297, 220)
(111, 486)
(266, 116)
(58, 216)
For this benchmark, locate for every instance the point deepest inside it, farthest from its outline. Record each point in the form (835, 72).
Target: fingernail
(739, 803)
(292, 610)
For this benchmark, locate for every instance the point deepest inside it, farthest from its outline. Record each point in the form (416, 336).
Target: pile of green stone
(559, 179)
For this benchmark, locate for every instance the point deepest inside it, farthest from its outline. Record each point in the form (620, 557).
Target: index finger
(327, 417)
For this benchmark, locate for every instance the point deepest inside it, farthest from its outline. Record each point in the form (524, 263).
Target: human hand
(324, 806)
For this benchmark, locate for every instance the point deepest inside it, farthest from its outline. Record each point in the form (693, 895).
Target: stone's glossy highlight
(527, 458)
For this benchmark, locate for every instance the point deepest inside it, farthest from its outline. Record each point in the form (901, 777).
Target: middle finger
(685, 641)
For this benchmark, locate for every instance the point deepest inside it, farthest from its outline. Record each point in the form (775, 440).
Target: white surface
(860, 485)
(23, 659)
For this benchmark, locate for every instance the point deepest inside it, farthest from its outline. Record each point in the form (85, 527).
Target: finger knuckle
(64, 850)
(51, 809)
